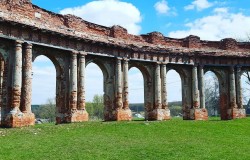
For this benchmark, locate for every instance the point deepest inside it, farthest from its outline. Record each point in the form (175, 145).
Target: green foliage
(175, 139)
(96, 108)
(46, 111)
(175, 110)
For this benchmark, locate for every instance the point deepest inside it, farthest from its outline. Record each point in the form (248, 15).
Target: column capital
(157, 64)
(74, 52)
(164, 65)
(19, 43)
(82, 53)
(126, 60)
(28, 45)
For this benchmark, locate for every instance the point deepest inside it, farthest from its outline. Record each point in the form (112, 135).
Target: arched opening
(43, 89)
(212, 94)
(174, 93)
(94, 91)
(136, 93)
(245, 86)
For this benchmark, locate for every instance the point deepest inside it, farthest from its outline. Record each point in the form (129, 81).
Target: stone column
(81, 89)
(73, 82)
(195, 90)
(123, 113)
(119, 103)
(197, 113)
(158, 100)
(27, 79)
(201, 86)
(239, 87)
(232, 89)
(125, 90)
(164, 87)
(17, 79)
(234, 111)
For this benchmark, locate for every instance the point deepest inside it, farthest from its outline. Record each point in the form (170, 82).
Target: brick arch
(222, 77)
(53, 59)
(186, 83)
(143, 69)
(62, 76)
(101, 65)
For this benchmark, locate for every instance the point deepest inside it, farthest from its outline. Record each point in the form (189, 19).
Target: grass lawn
(174, 139)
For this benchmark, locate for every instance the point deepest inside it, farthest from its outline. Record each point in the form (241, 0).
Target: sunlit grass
(173, 139)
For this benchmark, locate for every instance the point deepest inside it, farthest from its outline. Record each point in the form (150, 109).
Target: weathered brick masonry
(27, 31)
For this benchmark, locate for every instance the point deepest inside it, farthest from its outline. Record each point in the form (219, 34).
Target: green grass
(174, 139)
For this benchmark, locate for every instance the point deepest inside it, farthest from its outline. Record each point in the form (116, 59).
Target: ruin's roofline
(24, 12)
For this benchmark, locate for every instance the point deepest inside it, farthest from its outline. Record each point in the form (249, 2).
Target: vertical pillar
(164, 86)
(198, 112)
(232, 89)
(125, 90)
(195, 90)
(73, 82)
(158, 101)
(161, 111)
(201, 86)
(15, 117)
(234, 111)
(239, 87)
(17, 79)
(123, 113)
(118, 84)
(81, 89)
(27, 79)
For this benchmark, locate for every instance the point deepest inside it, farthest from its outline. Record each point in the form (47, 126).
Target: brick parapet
(24, 12)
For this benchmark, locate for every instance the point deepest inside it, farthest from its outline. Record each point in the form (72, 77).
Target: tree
(212, 95)
(246, 98)
(47, 111)
(96, 107)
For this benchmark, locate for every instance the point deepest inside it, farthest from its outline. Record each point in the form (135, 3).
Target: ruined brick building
(27, 31)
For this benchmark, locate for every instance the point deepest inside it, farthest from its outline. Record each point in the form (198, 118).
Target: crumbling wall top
(24, 12)
(19, 2)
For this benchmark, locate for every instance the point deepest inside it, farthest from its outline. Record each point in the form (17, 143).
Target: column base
(236, 113)
(118, 115)
(74, 116)
(198, 114)
(19, 120)
(123, 115)
(159, 115)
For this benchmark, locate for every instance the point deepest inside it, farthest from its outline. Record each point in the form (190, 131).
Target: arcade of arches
(71, 43)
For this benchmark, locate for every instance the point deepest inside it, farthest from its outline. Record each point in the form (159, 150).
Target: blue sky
(170, 16)
(209, 19)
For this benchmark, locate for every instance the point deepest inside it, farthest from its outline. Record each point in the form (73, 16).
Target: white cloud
(162, 7)
(199, 5)
(109, 13)
(221, 24)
